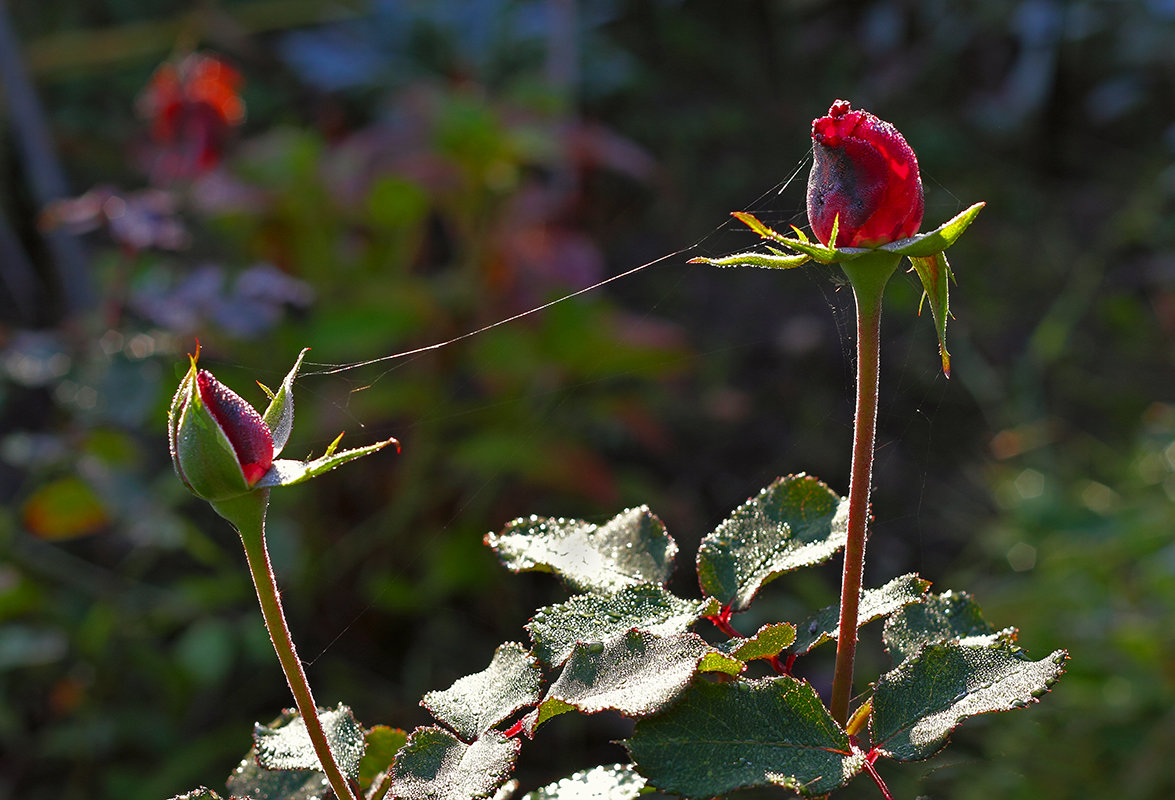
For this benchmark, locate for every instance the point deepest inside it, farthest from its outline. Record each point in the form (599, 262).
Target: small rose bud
(864, 175)
(220, 446)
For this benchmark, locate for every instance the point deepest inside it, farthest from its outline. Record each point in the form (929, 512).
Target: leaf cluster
(707, 723)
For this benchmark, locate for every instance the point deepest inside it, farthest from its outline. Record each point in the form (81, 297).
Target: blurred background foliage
(368, 178)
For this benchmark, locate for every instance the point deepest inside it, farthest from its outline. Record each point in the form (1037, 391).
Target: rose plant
(712, 715)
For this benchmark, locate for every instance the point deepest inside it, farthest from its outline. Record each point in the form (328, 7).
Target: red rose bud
(244, 427)
(865, 174)
(220, 445)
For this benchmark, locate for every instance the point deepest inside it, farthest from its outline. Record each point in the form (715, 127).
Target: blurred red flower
(191, 106)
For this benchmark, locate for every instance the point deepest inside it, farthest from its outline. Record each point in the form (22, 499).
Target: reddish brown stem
(876, 776)
(868, 275)
(722, 623)
(247, 514)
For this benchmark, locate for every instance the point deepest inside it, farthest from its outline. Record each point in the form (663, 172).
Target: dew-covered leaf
(285, 743)
(768, 641)
(554, 630)
(636, 673)
(824, 625)
(946, 617)
(436, 765)
(255, 782)
(795, 522)
(382, 744)
(719, 737)
(607, 782)
(476, 703)
(203, 793)
(918, 704)
(629, 549)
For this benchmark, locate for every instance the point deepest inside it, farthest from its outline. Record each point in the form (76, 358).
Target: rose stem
(257, 554)
(868, 276)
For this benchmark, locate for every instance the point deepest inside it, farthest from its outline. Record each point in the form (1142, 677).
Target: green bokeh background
(426, 169)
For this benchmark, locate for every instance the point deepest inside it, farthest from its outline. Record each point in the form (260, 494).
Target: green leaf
(631, 548)
(795, 522)
(279, 416)
(824, 625)
(436, 765)
(918, 704)
(286, 472)
(936, 276)
(608, 782)
(285, 744)
(554, 630)
(636, 674)
(203, 793)
(718, 661)
(382, 744)
(720, 737)
(476, 703)
(946, 617)
(937, 240)
(255, 782)
(768, 641)
(551, 707)
(754, 259)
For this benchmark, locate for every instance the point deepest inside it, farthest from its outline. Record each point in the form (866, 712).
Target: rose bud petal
(865, 174)
(244, 427)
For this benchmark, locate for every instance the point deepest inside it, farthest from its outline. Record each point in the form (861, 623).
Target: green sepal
(279, 416)
(923, 245)
(937, 240)
(752, 222)
(774, 260)
(801, 244)
(287, 472)
(203, 456)
(935, 273)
